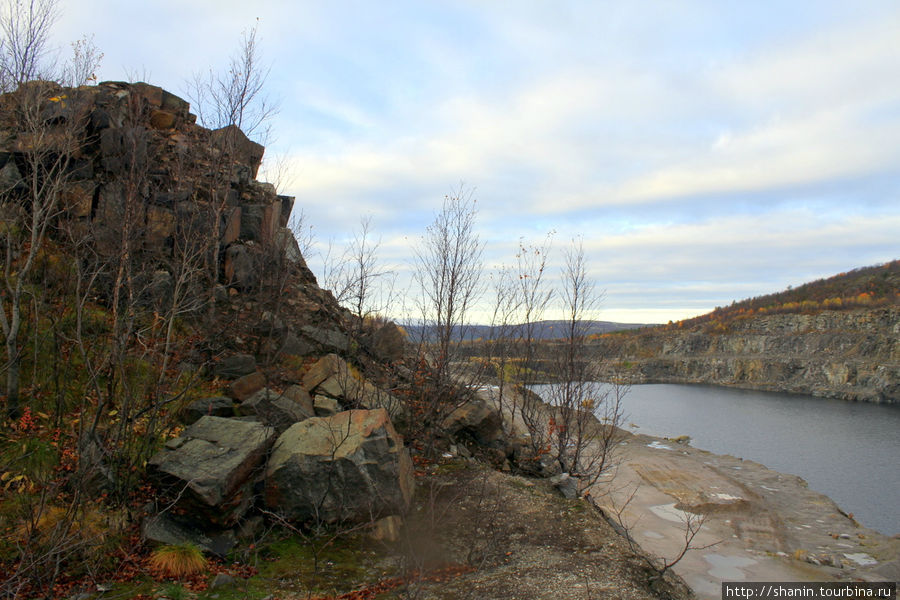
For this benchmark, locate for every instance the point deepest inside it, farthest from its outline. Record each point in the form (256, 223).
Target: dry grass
(177, 561)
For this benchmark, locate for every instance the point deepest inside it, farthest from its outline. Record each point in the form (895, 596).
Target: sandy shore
(765, 525)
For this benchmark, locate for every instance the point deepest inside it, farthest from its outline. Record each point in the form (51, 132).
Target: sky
(703, 152)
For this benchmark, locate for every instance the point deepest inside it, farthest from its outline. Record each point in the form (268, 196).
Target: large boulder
(329, 339)
(212, 466)
(348, 467)
(301, 397)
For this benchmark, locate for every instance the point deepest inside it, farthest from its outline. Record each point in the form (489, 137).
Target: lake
(849, 451)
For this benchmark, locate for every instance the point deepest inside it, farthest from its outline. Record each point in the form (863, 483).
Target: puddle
(670, 513)
(728, 568)
(658, 446)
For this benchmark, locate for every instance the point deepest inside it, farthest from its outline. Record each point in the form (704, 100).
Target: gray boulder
(166, 528)
(291, 345)
(330, 339)
(234, 366)
(217, 406)
(349, 467)
(212, 466)
(274, 409)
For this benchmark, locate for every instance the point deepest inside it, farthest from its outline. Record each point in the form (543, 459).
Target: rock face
(852, 355)
(137, 154)
(351, 466)
(215, 462)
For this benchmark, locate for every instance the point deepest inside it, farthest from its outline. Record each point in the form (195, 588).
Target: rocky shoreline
(760, 525)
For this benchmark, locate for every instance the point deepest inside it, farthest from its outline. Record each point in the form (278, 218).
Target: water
(849, 451)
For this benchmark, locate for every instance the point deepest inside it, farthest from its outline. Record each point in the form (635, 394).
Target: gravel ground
(526, 540)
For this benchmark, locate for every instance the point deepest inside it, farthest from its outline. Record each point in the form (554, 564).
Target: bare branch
(237, 95)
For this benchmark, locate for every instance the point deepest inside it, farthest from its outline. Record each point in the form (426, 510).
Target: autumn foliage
(868, 287)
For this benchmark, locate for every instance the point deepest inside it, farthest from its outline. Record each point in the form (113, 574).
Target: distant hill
(865, 287)
(543, 330)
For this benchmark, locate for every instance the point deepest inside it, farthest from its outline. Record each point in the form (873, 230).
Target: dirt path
(766, 526)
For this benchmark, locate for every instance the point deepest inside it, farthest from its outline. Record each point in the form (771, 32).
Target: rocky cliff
(852, 355)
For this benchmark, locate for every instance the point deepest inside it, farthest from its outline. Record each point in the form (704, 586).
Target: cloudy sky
(704, 151)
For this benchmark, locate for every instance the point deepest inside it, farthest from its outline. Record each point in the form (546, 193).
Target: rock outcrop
(852, 355)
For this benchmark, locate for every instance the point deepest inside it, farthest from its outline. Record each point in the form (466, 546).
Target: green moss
(313, 566)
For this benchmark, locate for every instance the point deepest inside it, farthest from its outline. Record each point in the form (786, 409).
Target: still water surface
(849, 451)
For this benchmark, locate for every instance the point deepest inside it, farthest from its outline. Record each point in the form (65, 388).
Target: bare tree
(30, 202)
(237, 95)
(448, 271)
(534, 297)
(583, 444)
(357, 280)
(501, 343)
(303, 232)
(82, 67)
(25, 26)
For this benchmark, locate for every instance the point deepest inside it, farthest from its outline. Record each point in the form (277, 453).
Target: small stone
(222, 580)
(387, 529)
(325, 406)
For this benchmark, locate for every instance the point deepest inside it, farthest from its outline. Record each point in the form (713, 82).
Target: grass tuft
(179, 560)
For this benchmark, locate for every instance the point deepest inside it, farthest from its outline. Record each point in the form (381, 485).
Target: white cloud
(680, 140)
